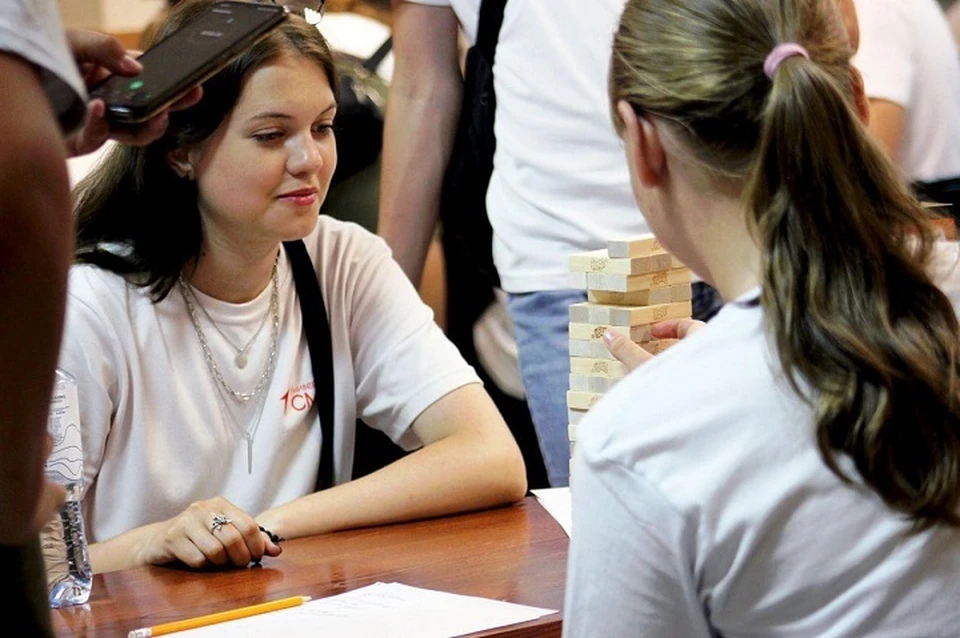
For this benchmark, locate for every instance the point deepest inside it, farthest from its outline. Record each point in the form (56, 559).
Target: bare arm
(35, 246)
(420, 125)
(470, 461)
(887, 121)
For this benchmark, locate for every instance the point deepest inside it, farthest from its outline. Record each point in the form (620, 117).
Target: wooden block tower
(631, 285)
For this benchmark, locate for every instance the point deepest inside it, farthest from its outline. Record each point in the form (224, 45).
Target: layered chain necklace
(241, 359)
(224, 388)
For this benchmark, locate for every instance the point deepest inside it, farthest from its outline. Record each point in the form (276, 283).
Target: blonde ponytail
(861, 331)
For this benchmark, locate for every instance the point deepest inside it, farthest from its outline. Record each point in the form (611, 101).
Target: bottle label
(65, 464)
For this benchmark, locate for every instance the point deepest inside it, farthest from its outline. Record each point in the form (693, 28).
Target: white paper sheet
(381, 610)
(557, 501)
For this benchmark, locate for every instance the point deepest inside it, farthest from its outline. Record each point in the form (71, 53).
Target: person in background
(45, 120)
(811, 489)
(911, 74)
(558, 185)
(198, 402)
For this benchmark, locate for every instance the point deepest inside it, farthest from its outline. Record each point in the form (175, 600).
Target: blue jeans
(540, 321)
(540, 327)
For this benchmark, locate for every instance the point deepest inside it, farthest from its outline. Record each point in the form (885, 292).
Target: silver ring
(219, 520)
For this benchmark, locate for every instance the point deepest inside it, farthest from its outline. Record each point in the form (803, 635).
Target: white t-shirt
(31, 29)
(560, 183)
(907, 56)
(702, 508)
(157, 432)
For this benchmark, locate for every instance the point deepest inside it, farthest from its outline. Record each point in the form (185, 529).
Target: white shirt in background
(31, 29)
(908, 56)
(717, 516)
(560, 184)
(159, 435)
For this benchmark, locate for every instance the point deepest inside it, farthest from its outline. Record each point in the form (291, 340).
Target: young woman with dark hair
(199, 408)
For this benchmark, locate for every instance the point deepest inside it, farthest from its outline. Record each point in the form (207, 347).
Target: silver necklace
(192, 302)
(250, 431)
(241, 358)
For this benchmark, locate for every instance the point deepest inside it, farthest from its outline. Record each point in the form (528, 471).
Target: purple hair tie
(780, 53)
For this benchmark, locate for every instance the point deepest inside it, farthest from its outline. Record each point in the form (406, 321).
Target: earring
(183, 170)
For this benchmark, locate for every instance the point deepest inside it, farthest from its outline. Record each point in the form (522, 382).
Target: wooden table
(516, 553)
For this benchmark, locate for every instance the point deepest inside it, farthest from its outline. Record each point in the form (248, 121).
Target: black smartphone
(186, 58)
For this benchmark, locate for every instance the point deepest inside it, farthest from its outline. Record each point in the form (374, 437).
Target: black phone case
(126, 107)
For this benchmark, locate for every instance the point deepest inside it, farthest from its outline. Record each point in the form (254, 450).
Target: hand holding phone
(185, 59)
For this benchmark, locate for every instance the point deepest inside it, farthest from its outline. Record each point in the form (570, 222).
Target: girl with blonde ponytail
(813, 486)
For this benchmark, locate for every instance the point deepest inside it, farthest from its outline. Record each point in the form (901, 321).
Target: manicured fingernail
(609, 336)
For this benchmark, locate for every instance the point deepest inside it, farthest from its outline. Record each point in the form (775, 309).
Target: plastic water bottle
(69, 576)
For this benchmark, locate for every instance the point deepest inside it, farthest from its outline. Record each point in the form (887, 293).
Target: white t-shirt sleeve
(403, 363)
(884, 57)
(89, 354)
(631, 564)
(31, 29)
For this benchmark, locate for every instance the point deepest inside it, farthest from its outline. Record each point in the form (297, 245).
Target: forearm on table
(422, 113)
(473, 468)
(35, 247)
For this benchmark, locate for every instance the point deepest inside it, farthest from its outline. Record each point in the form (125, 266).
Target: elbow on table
(510, 474)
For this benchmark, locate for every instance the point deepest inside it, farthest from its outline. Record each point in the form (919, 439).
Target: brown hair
(138, 218)
(861, 331)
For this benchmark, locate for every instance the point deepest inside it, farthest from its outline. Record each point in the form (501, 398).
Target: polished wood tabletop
(516, 553)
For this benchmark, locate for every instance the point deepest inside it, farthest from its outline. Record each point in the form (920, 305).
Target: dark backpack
(360, 110)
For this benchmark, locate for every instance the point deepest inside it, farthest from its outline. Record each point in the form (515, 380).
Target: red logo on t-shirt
(298, 399)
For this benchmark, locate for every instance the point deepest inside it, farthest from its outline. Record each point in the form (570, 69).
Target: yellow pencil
(223, 616)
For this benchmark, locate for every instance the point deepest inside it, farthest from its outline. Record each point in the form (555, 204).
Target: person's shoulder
(85, 278)
(345, 255)
(103, 290)
(336, 239)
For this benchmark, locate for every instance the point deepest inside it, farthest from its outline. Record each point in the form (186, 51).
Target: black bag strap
(371, 63)
(488, 27)
(316, 326)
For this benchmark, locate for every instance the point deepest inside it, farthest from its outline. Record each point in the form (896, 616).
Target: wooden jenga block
(592, 331)
(574, 416)
(634, 246)
(648, 297)
(589, 349)
(585, 383)
(582, 400)
(577, 280)
(630, 283)
(598, 367)
(572, 432)
(597, 261)
(628, 315)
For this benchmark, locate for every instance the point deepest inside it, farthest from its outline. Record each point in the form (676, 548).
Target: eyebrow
(275, 115)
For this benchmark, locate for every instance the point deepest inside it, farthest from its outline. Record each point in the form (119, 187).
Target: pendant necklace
(223, 388)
